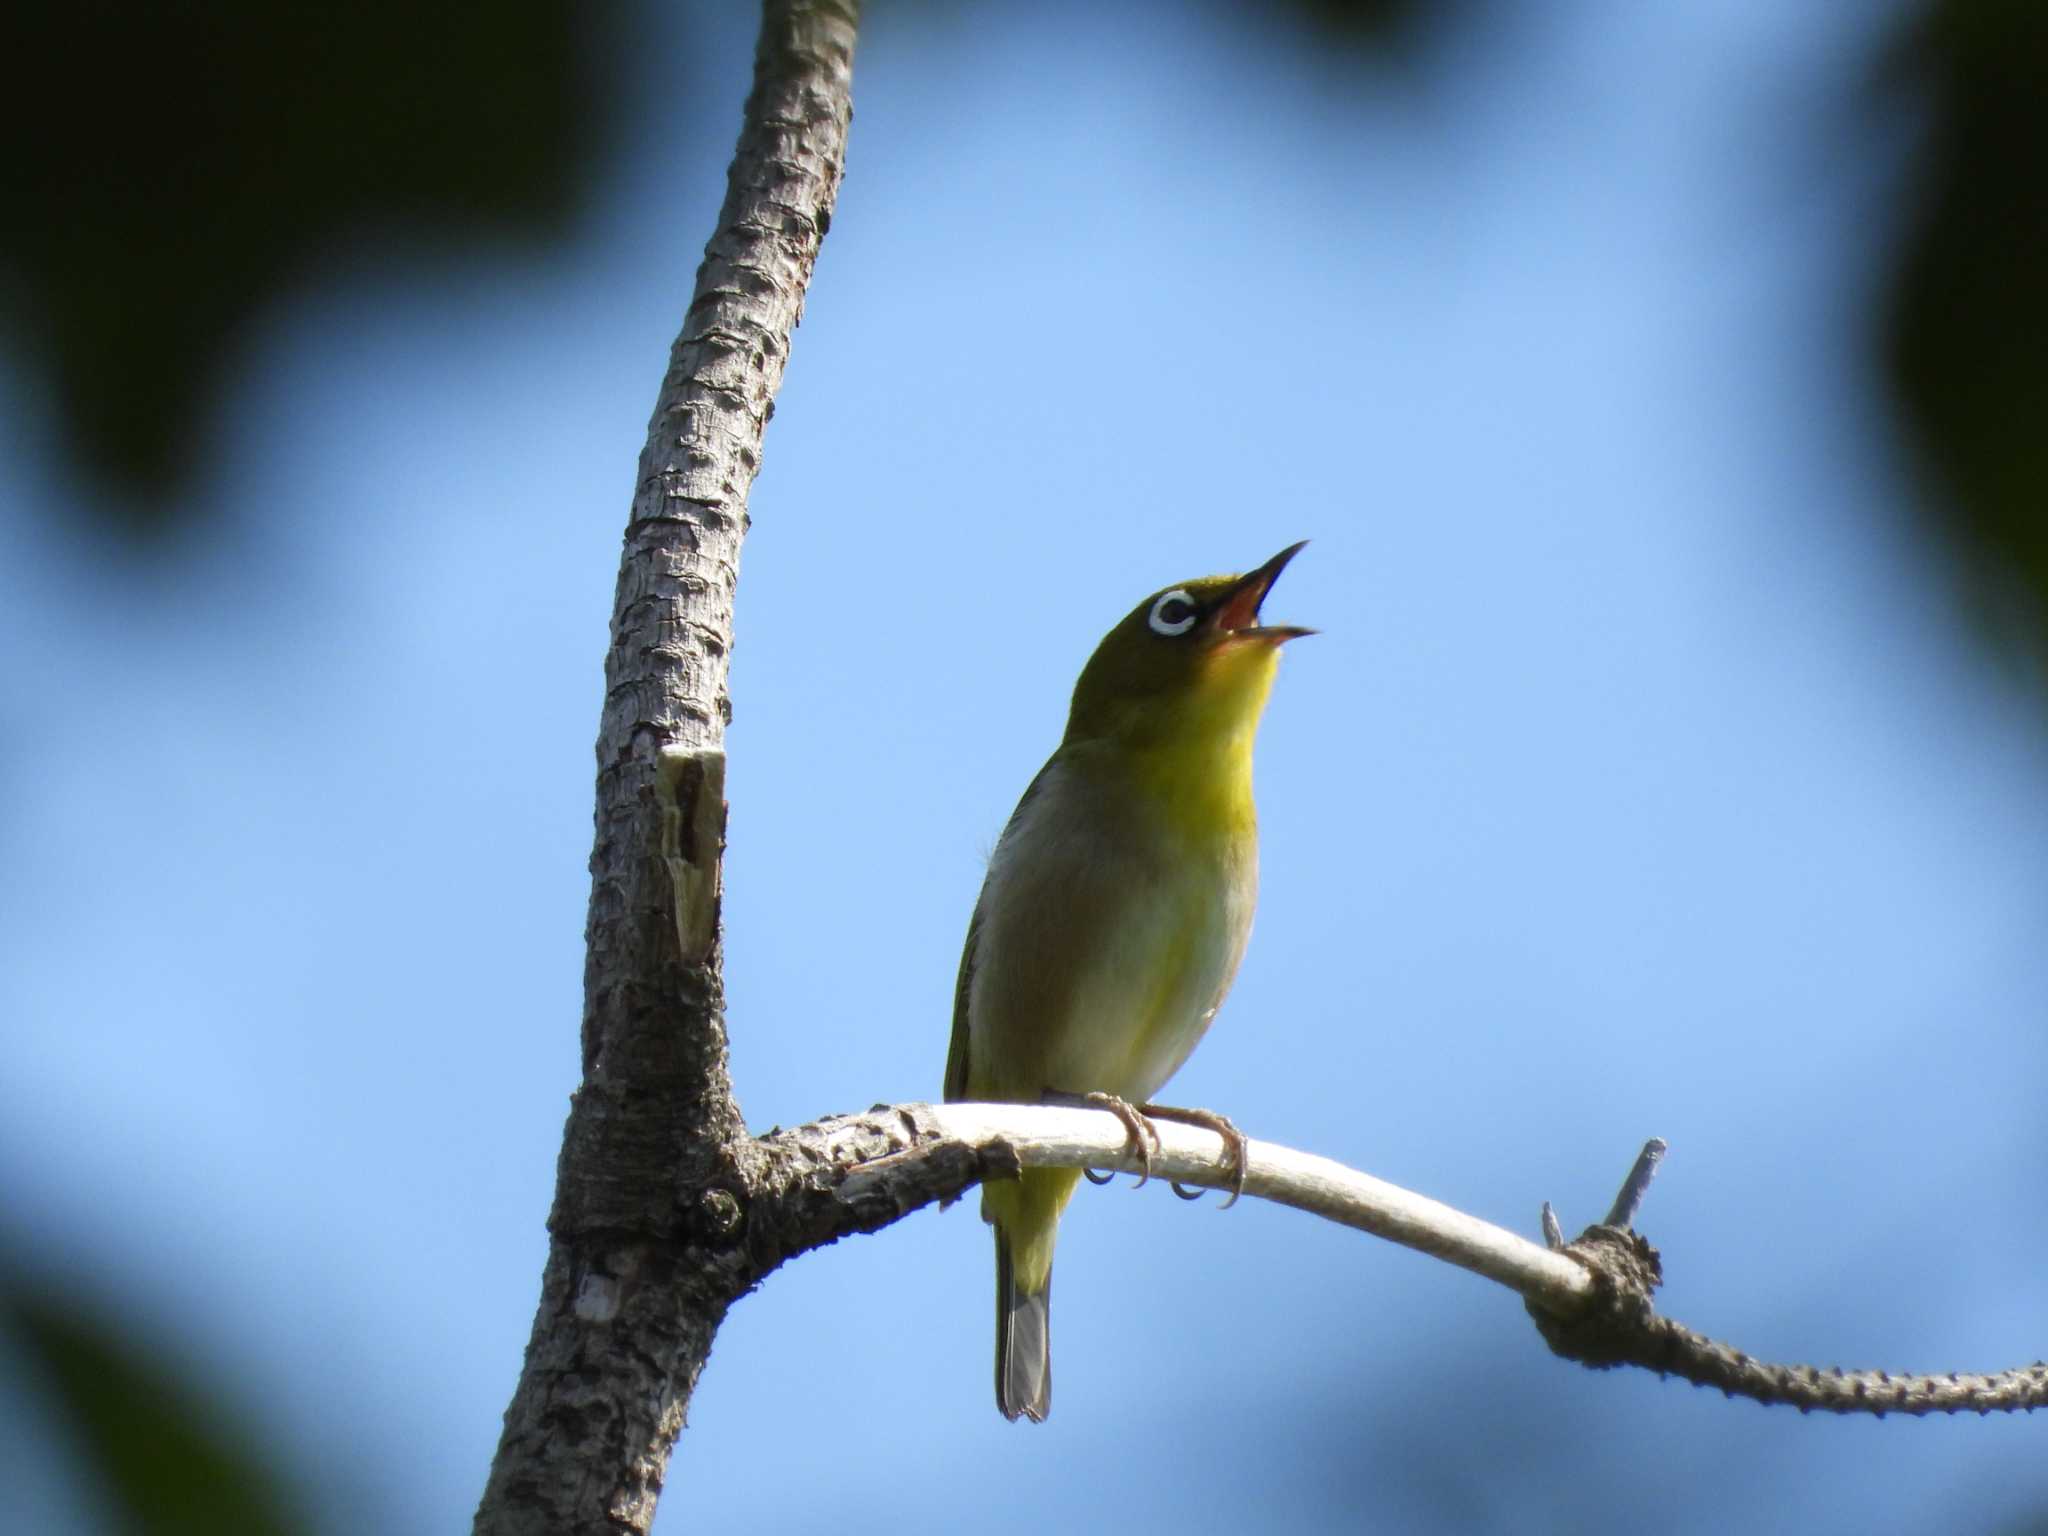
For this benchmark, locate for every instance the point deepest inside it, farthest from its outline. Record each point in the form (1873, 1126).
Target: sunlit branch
(1590, 1298)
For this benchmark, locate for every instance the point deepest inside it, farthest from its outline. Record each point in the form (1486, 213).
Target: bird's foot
(1235, 1143)
(1144, 1136)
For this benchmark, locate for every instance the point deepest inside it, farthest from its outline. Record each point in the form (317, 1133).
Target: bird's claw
(1235, 1143)
(1144, 1136)
(1136, 1126)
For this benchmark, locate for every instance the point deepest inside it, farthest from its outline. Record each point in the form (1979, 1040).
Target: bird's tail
(1025, 1212)
(1023, 1340)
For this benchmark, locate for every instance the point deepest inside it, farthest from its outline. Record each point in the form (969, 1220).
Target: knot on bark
(718, 1214)
(1612, 1327)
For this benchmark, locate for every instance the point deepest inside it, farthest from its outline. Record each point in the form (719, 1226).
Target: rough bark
(639, 1269)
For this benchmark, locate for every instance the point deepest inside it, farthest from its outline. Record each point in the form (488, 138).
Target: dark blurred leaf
(171, 166)
(1378, 23)
(1968, 324)
(159, 1453)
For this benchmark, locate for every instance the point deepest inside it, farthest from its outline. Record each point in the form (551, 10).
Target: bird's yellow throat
(1192, 751)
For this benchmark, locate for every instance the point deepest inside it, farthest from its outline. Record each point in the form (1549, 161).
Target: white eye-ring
(1173, 613)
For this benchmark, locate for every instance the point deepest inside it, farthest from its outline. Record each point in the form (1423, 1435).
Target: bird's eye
(1173, 613)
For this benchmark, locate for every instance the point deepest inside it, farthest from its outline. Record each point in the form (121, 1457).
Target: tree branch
(1620, 1327)
(1590, 1299)
(630, 1298)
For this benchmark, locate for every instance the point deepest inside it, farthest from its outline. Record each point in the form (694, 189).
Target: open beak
(1237, 617)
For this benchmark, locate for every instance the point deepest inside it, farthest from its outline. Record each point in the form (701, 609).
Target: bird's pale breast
(1108, 931)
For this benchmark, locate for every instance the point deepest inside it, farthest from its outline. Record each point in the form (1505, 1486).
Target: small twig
(1627, 1201)
(1630, 1197)
(1621, 1327)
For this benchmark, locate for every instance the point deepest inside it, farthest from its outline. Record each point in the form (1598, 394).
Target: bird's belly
(1120, 1009)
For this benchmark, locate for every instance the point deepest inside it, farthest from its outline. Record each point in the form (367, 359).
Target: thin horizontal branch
(1590, 1299)
(856, 1173)
(1070, 1138)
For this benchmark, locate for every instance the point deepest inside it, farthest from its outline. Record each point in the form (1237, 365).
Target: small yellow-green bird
(1116, 908)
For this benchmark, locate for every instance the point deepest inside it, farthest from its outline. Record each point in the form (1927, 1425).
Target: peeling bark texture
(639, 1271)
(857, 1173)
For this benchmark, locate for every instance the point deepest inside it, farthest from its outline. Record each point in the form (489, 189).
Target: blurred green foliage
(163, 1458)
(171, 167)
(1967, 328)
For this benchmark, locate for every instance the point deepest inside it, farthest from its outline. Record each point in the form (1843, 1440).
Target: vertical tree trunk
(633, 1293)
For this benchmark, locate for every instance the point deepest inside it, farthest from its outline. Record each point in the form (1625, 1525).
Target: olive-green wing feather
(956, 1053)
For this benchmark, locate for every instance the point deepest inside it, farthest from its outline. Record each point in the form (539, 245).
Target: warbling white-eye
(1115, 911)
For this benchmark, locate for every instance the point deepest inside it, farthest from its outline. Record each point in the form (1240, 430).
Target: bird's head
(1191, 659)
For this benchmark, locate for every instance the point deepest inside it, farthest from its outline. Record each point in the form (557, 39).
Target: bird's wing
(956, 1053)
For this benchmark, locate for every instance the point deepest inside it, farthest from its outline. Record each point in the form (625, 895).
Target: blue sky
(1642, 781)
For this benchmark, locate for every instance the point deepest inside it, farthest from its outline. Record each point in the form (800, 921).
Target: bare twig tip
(1630, 1198)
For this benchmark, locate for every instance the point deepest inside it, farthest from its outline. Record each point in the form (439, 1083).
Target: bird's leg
(1136, 1127)
(1235, 1142)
